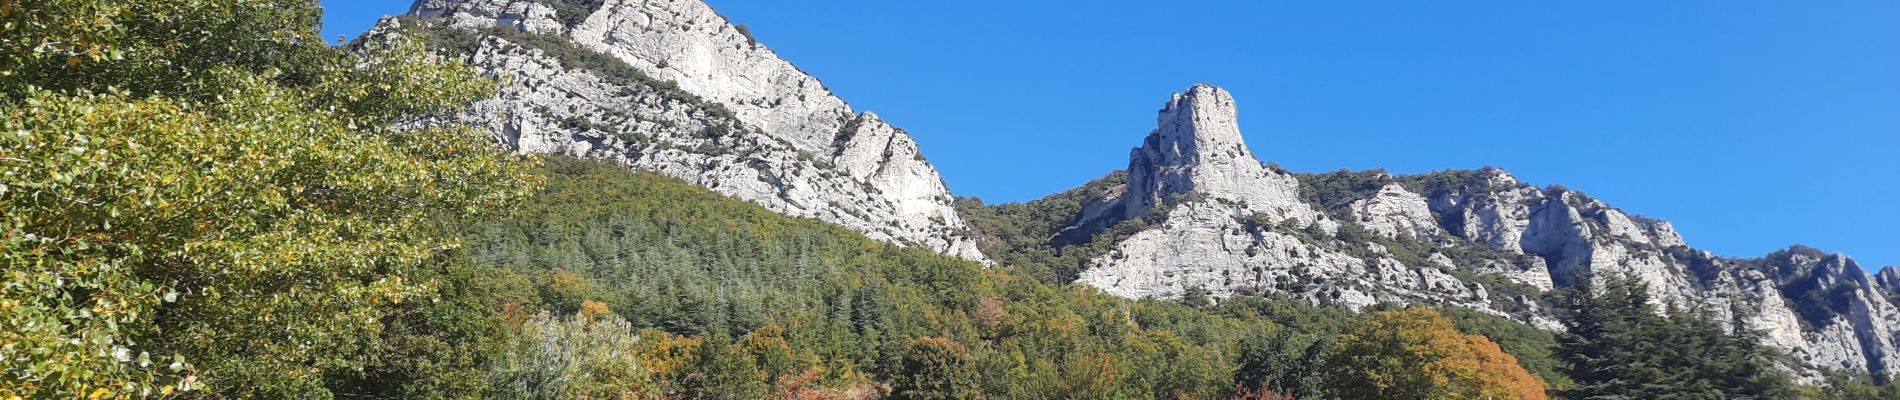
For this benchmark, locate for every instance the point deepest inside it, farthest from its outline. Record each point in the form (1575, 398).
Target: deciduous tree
(1415, 353)
(201, 195)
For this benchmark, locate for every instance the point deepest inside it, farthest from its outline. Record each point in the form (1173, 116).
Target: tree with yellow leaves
(1416, 353)
(202, 196)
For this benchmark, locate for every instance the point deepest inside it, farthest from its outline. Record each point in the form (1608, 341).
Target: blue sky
(1750, 124)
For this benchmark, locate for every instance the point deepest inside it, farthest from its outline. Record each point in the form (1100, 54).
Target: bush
(580, 356)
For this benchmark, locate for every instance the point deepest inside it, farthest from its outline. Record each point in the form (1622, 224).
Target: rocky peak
(1197, 126)
(1802, 261)
(1196, 148)
(1889, 278)
(1848, 321)
(1234, 225)
(1661, 232)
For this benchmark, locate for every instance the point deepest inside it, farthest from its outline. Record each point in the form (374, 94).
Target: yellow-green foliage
(199, 196)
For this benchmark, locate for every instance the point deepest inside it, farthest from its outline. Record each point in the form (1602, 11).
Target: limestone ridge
(709, 105)
(1822, 308)
(1237, 226)
(1479, 239)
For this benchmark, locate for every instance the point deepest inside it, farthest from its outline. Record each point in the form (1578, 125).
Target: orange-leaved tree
(1416, 353)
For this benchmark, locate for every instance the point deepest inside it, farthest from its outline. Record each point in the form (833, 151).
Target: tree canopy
(201, 196)
(1415, 353)
(1618, 345)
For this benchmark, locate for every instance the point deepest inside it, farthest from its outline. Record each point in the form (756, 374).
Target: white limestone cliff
(1214, 196)
(1196, 168)
(1397, 213)
(1196, 148)
(748, 124)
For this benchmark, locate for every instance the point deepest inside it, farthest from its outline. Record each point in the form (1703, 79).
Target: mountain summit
(1196, 148)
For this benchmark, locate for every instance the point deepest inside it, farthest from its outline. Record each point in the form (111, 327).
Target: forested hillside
(844, 314)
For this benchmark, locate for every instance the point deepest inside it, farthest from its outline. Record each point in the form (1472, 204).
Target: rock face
(1234, 225)
(1197, 148)
(1479, 239)
(1822, 308)
(1398, 214)
(1849, 321)
(670, 86)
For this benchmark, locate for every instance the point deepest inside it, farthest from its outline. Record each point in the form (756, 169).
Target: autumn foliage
(1416, 353)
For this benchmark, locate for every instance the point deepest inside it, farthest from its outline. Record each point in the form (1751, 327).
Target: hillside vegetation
(841, 313)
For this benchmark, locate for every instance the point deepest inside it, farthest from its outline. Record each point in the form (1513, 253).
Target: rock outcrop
(1848, 319)
(1397, 213)
(1235, 225)
(670, 86)
(1824, 309)
(1479, 239)
(1196, 148)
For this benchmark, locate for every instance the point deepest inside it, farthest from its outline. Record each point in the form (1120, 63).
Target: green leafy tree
(444, 348)
(1197, 297)
(936, 368)
(723, 370)
(201, 196)
(1282, 361)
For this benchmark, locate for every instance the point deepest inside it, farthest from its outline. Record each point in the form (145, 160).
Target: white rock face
(1821, 308)
(751, 124)
(1204, 244)
(686, 42)
(525, 16)
(1889, 278)
(1580, 237)
(1397, 213)
(1195, 167)
(1196, 148)
(1662, 232)
(1495, 219)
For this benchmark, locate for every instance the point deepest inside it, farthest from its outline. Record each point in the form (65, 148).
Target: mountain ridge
(1451, 238)
(703, 101)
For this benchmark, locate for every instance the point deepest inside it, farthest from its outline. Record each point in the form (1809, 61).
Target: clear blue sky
(1750, 124)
